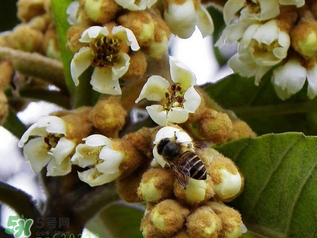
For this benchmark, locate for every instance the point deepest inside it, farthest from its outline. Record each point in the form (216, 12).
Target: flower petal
(85, 156)
(204, 21)
(297, 3)
(55, 169)
(93, 178)
(312, 82)
(97, 140)
(121, 66)
(127, 36)
(33, 130)
(177, 115)
(269, 9)
(154, 89)
(103, 82)
(289, 78)
(53, 124)
(80, 62)
(112, 160)
(181, 74)
(62, 150)
(231, 8)
(92, 33)
(35, 151)
(192, 100)
(72, 11)
(157, 114)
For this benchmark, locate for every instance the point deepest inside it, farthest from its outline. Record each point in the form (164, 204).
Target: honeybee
(184, 162)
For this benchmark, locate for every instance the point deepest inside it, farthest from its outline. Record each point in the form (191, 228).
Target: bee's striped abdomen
(197, 169)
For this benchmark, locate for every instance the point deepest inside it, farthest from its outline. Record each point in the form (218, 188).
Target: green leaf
(280, 194)
(261, 108)
(62, 25)
(118, 220)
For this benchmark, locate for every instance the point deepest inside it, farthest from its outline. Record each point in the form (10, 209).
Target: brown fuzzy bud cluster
(177, 211)
(37, 31)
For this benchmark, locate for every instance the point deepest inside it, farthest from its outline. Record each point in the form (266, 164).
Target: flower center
(105, 51)
(52, 139)
(174, 97)
(263, 50)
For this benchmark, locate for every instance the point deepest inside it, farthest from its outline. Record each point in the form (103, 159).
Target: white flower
(171, 133)
(135, 5)
(290, 78)
(48, 146)
(72, 11)
(261, 47)
(261, 10)
(103, 161)
(229, 186)
(183, 16)
(178, 99)
(104, 53)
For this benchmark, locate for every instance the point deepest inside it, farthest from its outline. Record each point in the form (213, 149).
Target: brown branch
(36, 65)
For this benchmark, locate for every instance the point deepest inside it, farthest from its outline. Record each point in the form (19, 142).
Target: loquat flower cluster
(274, 35)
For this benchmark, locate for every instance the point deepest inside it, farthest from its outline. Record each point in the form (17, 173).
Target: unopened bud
(27, 9)
(7, 71)
(240, 130)
(50, 44)
(304, 38)
(78, 124)
(203, 223)
(100, 11)
(127, 188)
(182, 234)
(196, 192)
(108, 116)
(232, 225)
(73, 35)
(214, 126)
(168, 217)
(142, 25)
(137, 66)
(207, 154)
(25, 38)
(4, 108)
(40, 23)
(228, 182)
(156, 185)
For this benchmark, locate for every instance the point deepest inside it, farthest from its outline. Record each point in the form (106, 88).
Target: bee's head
(168, 148)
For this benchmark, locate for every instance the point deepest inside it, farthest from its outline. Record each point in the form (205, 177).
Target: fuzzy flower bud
(228, 182)
(240, 129)
(108, 116)
(7, 71)
(196, 192)
(203, 223)
(106, 159)
(100, 11)
(142, 25)
(50, 44)
(127, 187)
(165, 219)
(232, 226)
(27, 9)
(156, 185)
(304, 38)
(73, 35)
(137, 66)
(214, 126)
(4, 108)
(40, 23)
(25, 38)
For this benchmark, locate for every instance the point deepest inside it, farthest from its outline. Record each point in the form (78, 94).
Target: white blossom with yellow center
(183, 16)
(261, 10)
(180, 136)
(44, 144)
(135, 5)
(178, 99)
(104, 52)
(101, 159)
(261, 47)
(290, 78)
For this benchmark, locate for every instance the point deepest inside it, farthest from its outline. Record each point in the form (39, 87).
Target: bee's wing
(202, 144)
(181, 173)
